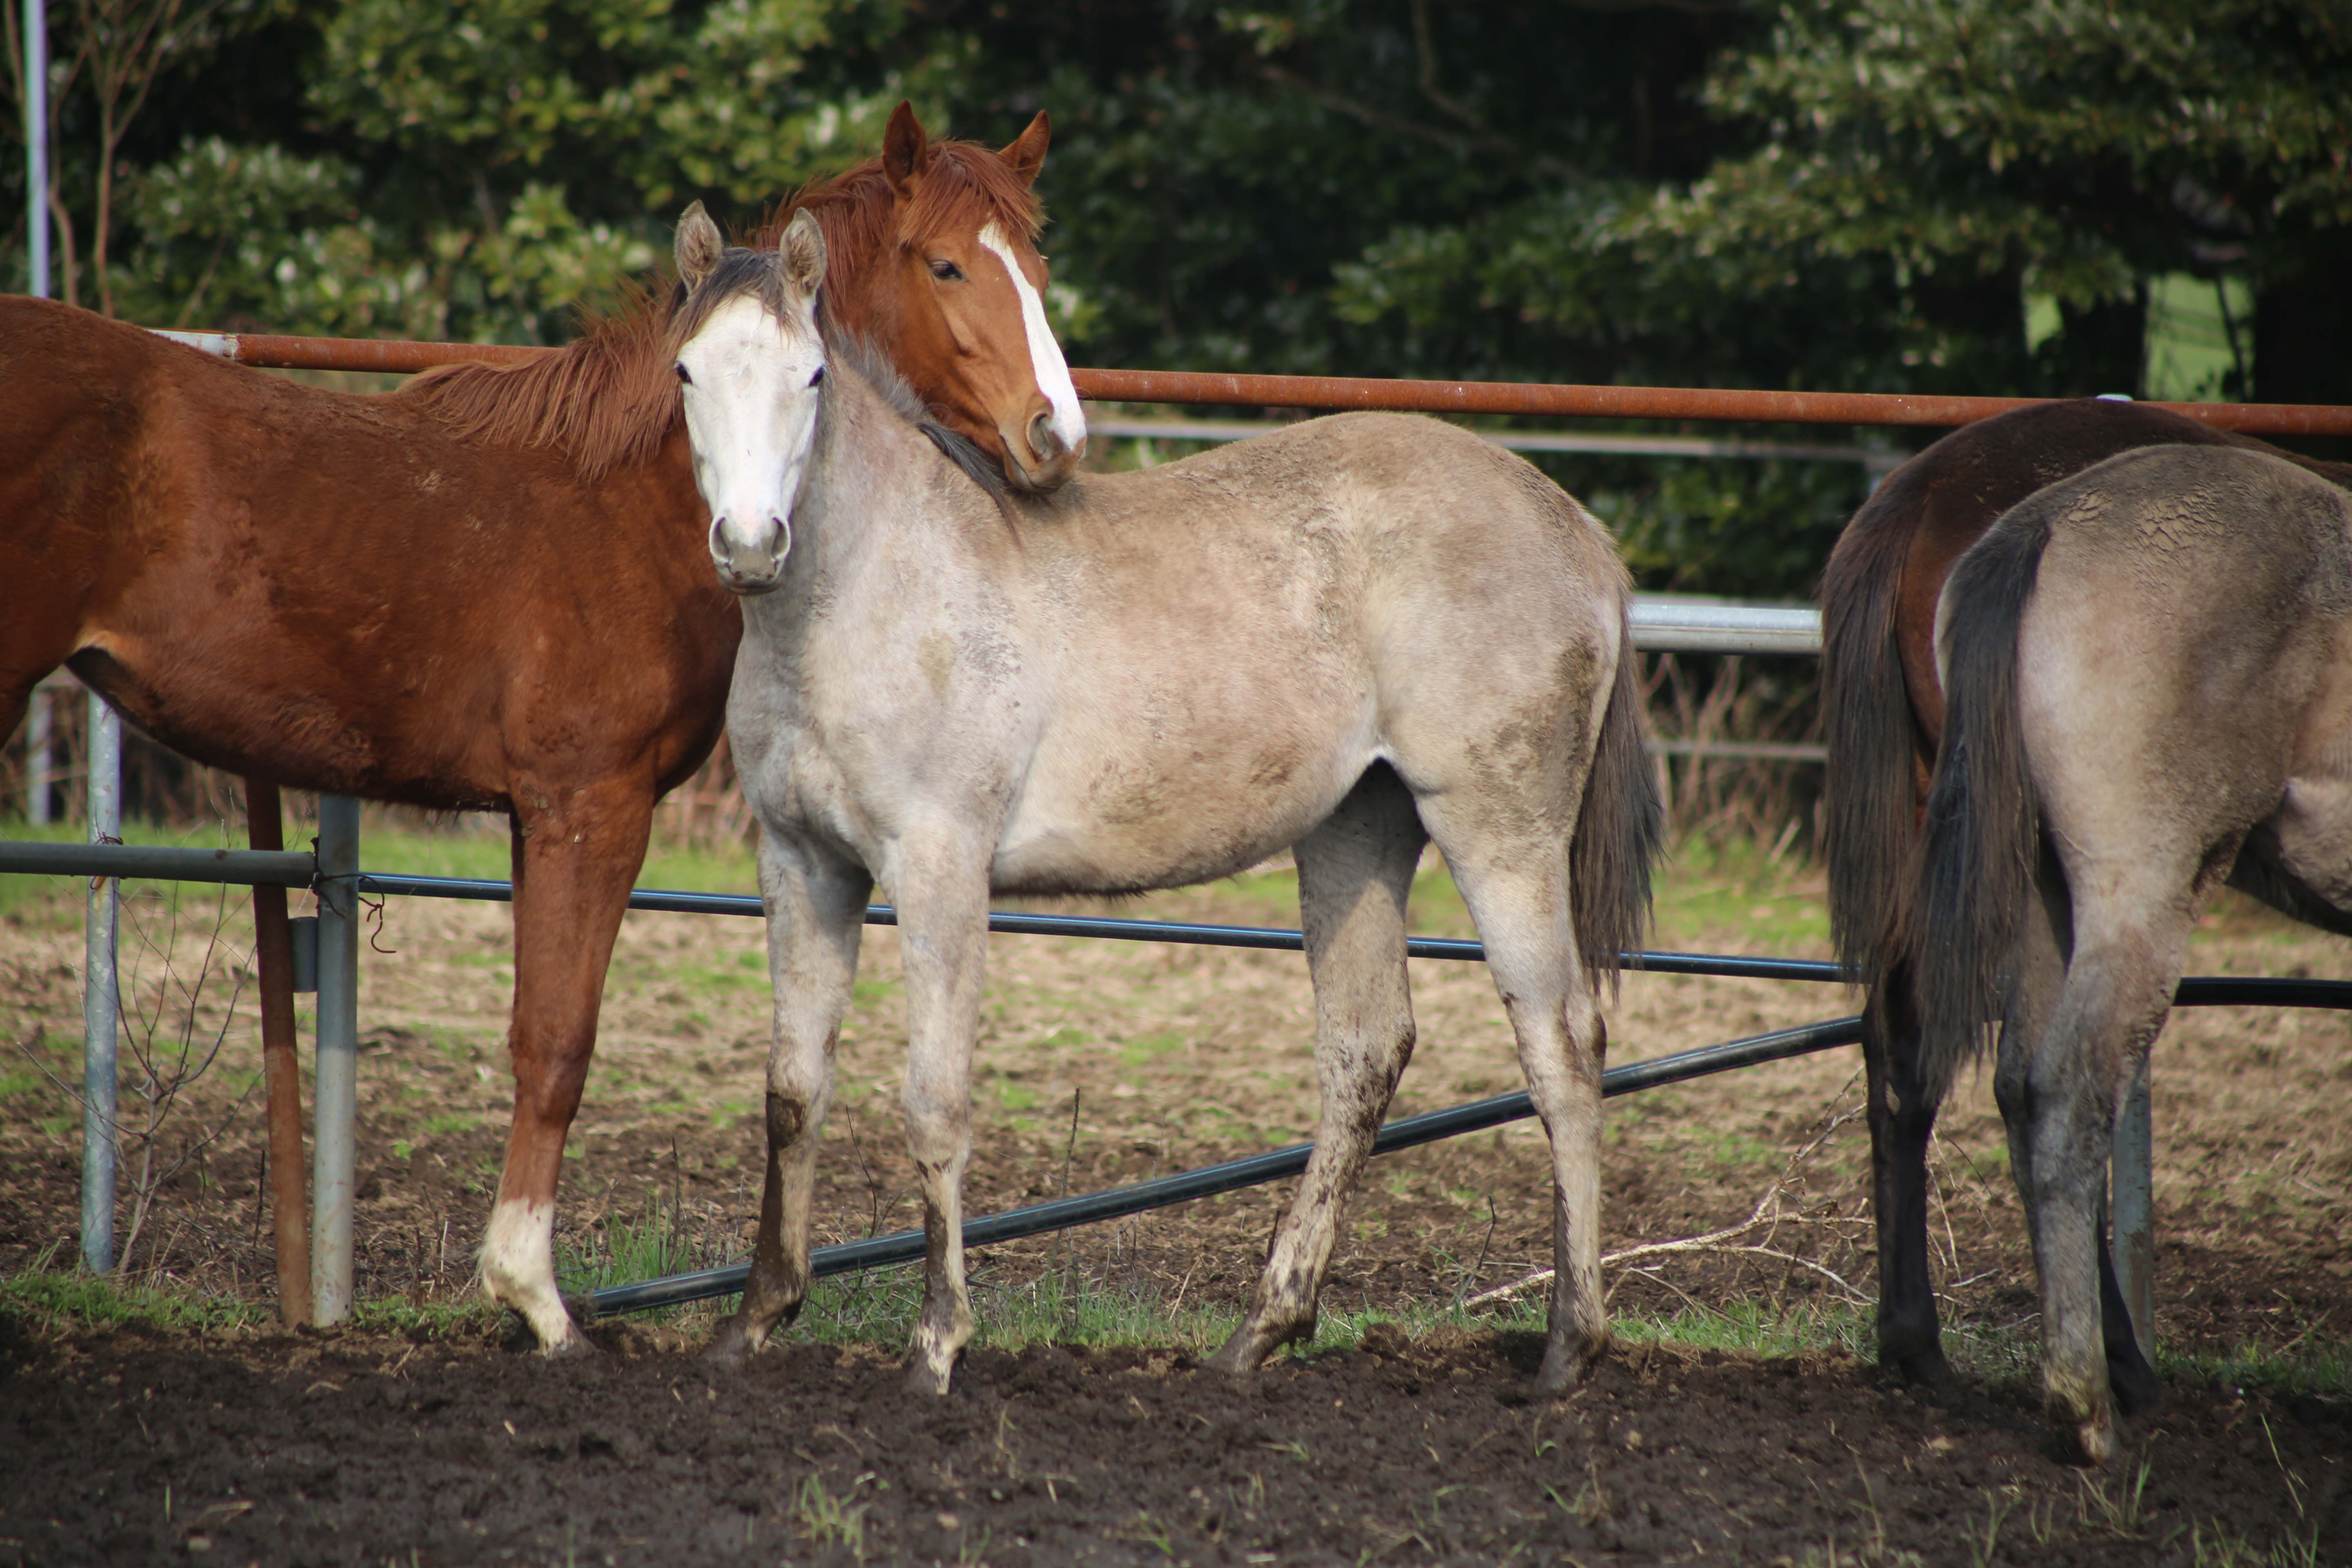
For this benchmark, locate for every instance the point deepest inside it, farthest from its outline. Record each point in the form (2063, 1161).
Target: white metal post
(37, 148)
(101, 1001)
(2132, 1198)
(337, 1083)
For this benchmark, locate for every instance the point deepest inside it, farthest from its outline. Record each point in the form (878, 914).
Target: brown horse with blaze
(468, 593)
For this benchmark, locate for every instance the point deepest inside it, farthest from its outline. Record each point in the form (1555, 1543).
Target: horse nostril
(1043, 439)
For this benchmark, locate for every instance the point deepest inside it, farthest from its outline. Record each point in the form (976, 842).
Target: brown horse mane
(609, 398)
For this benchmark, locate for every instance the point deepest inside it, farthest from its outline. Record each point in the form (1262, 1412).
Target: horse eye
(682, 379)
(947, 272)
(818, 377)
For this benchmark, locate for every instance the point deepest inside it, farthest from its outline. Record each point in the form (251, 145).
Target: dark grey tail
(1620, 828)
(1976, 870)
(1869, 820)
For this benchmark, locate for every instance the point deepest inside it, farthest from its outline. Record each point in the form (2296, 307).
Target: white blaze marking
(1045, 360)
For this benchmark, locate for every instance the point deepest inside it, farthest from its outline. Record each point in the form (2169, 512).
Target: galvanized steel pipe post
(37, 148)
(336, 1084)
(101, 996)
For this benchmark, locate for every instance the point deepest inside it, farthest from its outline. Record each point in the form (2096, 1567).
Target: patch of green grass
(702, 870)
(1139, 1049)
(75, 1300)
(1709, 890)
(454, 1122)
(480, 847)
(1271, 896)
(467, 1316)
(16, 1081)
(2313, 1367)
(59, 1301)
(481, 852)
(1016, 1095)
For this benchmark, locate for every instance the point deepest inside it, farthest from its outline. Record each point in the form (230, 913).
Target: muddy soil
(1103, 1062)
(350, 1449)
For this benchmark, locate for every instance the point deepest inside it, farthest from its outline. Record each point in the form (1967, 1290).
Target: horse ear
(802, 248)
(1026, 153)
(698, 247)
(906, 151)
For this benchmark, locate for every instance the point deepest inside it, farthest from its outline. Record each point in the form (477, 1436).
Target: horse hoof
(2091, 1444)
(1920, 1364)
(922, 1377)
(1565, 1370)
(2097, 1440)
(1234, 1358)
(573, 1346)
(731, 1346)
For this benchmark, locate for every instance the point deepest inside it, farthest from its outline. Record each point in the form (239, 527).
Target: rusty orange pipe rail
(1354, 392)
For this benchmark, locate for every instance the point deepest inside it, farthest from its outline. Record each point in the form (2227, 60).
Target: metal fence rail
(1339, 392)
(1661, 625)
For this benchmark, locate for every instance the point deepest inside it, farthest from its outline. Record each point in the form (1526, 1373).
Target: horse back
(1884, 705)
(334, 590)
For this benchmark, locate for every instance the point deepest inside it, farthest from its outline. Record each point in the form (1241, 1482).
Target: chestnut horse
(1884, 720)
(478, 592)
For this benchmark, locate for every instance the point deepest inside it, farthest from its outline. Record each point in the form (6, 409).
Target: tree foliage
(1971, 196)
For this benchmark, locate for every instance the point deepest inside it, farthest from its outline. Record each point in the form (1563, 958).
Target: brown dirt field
(1103, 1062)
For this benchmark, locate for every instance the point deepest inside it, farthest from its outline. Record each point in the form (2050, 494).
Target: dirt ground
(1104, 1062)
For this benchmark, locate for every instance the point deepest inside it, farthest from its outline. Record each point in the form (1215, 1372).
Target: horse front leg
(1355, 874)
(942, 899)
(576, 853)
(816, 910)
(1902, 1120)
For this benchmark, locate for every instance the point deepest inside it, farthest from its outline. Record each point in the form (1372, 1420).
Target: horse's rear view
(2148, 677)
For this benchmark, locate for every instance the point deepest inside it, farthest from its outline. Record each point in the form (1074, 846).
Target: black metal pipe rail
(1208, 1181)
(295, 868)
(1269, 939)
(1116, 1203)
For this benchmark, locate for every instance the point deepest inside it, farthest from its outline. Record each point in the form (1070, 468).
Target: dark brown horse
(1884, 720)
(484, 590)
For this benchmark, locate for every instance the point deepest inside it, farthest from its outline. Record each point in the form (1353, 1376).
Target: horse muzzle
(1037, 459)
(751, 567)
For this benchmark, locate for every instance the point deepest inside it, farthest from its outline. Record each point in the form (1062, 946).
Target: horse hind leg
(943, 893)
(817, 912)
(2062, 1088)
(574, 864)
(1902, 1122)
(1355, 875)
(1515, 884)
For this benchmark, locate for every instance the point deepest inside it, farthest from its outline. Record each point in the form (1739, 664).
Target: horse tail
(1869, 823)
(1619, 826)
(1975, 867)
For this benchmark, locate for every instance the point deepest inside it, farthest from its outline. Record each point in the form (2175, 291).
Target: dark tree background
(1964, 196)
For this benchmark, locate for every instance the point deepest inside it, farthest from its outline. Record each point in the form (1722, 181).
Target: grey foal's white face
(752, 380)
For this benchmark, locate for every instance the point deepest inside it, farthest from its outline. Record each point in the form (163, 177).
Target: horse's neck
(878, 491)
